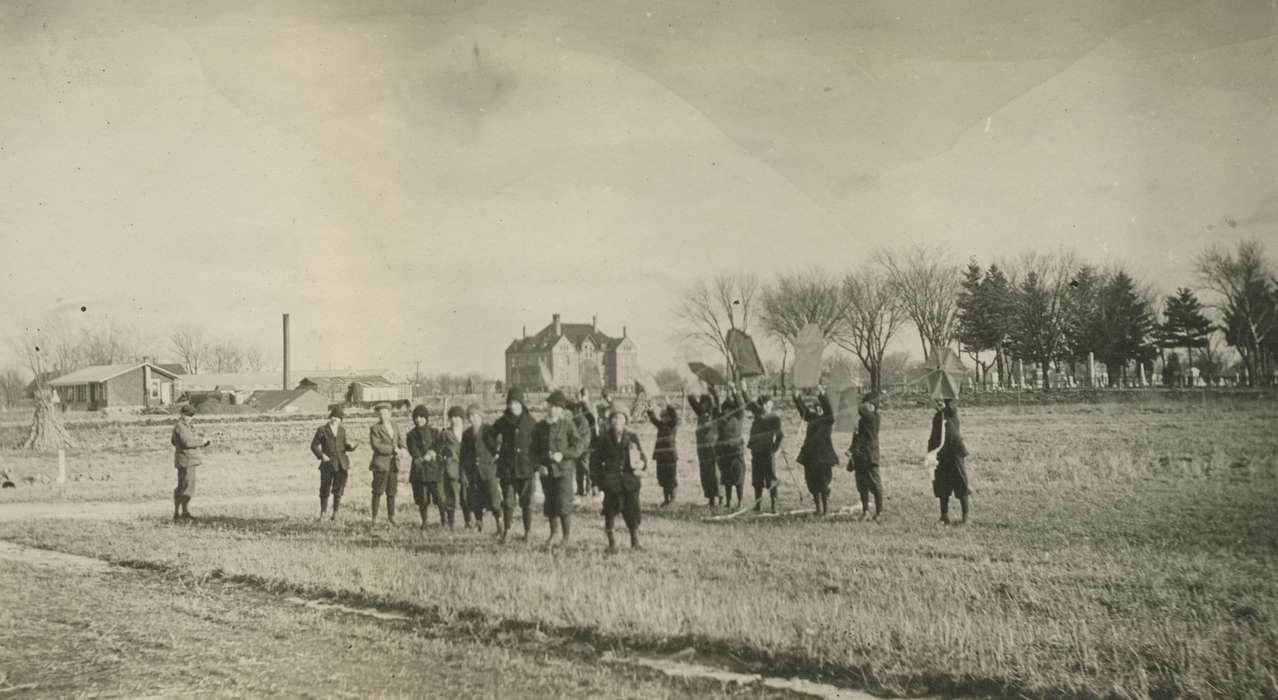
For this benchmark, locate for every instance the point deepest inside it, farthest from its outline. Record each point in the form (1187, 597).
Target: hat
(188, 410)
(515, 394)
(382, 405)
(557, 399)
(420, 410)
(474, 408)
(456, 411)
(618, 412)
(336, 412)
(872, 397)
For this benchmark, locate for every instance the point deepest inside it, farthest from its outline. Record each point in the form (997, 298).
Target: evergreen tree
(973, 331)
(1038, 331)
(1085, 332)
(1185, 325)
(1000, 314)
(1128, 326)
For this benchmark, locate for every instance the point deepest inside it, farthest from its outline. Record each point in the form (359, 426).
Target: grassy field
(1116, 552)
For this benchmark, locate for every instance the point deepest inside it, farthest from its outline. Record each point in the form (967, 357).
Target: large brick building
(574, 355)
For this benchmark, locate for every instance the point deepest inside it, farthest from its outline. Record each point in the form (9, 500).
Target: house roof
(577, 333)
(345, 379)
(175, 368)
(276, 399)
(102, 373)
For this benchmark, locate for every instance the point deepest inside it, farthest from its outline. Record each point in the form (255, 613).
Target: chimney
(555, 319)
(594, 324)
(525, 331)
(286, 384)
(624, 334)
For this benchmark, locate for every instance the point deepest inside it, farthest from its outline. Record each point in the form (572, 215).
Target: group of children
(483, 467)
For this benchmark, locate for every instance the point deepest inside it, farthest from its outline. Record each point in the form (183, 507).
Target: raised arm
(802, 407)
(824, 400)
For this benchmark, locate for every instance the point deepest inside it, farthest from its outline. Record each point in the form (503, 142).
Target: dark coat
(865, 441)
(731, 444)
(610, 466)
(666, 449)
(330, 448)
(478, 454)
(766, 432)
(514, 435)
(561, 436)
(420, 441)
(186, 443)
(818, 447)
(384, 445)
(447, 463)
(954, 450)
(707, 429)
(585, 424)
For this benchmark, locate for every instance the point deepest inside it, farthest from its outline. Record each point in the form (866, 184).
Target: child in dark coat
(731, 447)
(421, 447)
(766, 436)
(615, 475)
(864, 452)
(950, 477)
(817, 454)
(707, 435)
(666, 452)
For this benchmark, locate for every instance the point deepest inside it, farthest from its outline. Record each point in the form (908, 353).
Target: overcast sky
(416, 181)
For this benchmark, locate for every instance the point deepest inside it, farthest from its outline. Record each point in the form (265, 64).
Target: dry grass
(1126, 553)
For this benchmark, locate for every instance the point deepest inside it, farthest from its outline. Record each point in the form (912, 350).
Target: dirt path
(92, 510)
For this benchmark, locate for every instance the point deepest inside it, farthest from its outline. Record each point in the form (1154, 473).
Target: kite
(707, 375)
(846, 401)
(809, 344)
(646, 384)
(744, 355)
(945, 373)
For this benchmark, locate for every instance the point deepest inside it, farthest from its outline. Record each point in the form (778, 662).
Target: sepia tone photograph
(838, 349)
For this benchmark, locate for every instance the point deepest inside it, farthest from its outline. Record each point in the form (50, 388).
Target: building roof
(345, 379)
(175, 368)
(576, 333)
(102, 373)
(278, 399)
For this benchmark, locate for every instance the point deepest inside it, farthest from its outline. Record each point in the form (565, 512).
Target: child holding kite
(950, 477)
(731, 446)
(707, 435)
(817, 454)
(766, 436)
(665, 452)
(865, 455)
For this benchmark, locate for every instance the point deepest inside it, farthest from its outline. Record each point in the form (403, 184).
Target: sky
(417, 181)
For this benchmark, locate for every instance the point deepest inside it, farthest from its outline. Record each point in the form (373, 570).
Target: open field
(1124, 551)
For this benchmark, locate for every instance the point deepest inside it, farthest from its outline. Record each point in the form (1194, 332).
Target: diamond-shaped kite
(945, 373)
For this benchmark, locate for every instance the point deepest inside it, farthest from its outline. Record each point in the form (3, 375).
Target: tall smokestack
(286, 384)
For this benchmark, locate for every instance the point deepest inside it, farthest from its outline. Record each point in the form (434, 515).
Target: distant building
(572, 355)
(139, 385)
(300, 400)
(228, 383)
(336, 386)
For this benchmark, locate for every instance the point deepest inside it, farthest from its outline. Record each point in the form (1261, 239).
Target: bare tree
(927, 288)
(1243, 281)
(794, 301)
(191, 347)
(111, 342)
(708, 311)
(873, 315)
(254, 359)
(225, 356)
(1041, 292)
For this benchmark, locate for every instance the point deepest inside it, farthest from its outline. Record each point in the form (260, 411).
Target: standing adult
(950, 476)
(387, 444)
(817, 454)
(515, 460)
(330, 447)
(186, 443)
(665, 452)
(557, 446)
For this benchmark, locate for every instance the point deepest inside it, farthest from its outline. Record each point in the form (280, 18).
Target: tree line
(1052, 311)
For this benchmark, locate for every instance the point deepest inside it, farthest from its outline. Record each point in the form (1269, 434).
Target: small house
(140, 385)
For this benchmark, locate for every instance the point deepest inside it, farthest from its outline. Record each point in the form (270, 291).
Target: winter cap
(557, 399)
(515, 394)
(456, 412)
(420, 411)
(336, 412)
